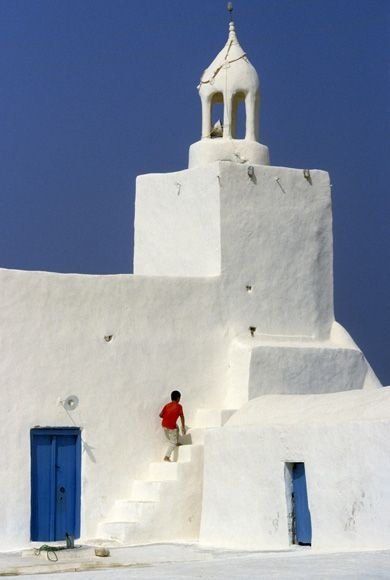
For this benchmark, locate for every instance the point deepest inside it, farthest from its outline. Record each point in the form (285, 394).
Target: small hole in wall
(108, 337)
(249, 288)
(252, 330)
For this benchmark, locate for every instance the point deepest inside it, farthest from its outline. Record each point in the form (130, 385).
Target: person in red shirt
(169, 415)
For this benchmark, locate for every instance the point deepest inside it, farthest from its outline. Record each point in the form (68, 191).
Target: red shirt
(170, 414)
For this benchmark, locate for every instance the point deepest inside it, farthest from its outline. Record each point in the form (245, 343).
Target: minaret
(230, 79)
(263, 233)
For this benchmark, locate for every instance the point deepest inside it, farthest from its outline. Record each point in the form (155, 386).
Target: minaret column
(206, 116)
(251, 108)
(227, 114)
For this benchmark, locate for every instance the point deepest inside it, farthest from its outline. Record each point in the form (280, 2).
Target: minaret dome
(229, 79)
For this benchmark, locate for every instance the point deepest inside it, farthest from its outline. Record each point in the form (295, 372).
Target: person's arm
(183, 424)
(162, 412)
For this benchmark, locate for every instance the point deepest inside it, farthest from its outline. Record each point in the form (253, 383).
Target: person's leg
(171, 435)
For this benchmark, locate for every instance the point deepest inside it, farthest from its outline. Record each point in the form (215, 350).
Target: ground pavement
(184, 561)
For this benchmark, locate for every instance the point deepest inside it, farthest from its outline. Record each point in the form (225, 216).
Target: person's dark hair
(175, 396)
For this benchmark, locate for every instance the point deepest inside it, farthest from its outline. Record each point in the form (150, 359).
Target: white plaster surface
(207, 151)
(299, 369)
(277, 238)
(164, 506)
(343, 440)
(271, 232)
(177, 224)
(315, 409)
(52, 330)
(251, 250)
(277, 364)
(232, 298)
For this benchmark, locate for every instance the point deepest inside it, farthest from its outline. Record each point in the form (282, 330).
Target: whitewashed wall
(269, 235)
(271, 232)
(263, 367)
(342, 439)
(177, 228)
(166, 334)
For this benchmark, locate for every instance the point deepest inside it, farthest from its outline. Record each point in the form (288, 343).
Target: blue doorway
(301, 505)
(55, 483)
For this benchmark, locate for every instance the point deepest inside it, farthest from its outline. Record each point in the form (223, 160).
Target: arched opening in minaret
(238, 116)
(216, 115)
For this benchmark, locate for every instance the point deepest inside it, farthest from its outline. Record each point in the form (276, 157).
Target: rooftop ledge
(239, 151)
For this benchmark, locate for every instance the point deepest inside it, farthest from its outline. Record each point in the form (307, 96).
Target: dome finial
(231, 21)
(229, 81)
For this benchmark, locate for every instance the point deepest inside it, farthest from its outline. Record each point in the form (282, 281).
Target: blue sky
(94, 92)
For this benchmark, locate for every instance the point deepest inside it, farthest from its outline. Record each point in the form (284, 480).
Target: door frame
(55, 432)
(289, 469)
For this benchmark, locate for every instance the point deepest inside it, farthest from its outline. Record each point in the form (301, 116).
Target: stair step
(133, 511)
(212, 417)
(143, 490)
(226, 414)
(184, 453)
(131, 521)
(163, 471)
(197, 435)
(122, 532)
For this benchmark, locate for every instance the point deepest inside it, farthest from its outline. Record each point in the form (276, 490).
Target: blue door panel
(41, 456)
(65, 487)
(301, 505)
(55, 483)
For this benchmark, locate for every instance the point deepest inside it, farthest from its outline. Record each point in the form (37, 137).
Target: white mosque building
(231, 302)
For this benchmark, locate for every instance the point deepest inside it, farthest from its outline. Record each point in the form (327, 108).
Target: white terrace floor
(184, 561)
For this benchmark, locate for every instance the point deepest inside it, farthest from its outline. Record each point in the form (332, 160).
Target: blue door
(301, 505)
(55, 483)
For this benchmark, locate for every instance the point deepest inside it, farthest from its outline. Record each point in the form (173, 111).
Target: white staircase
(165, 506)
(206, 420)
